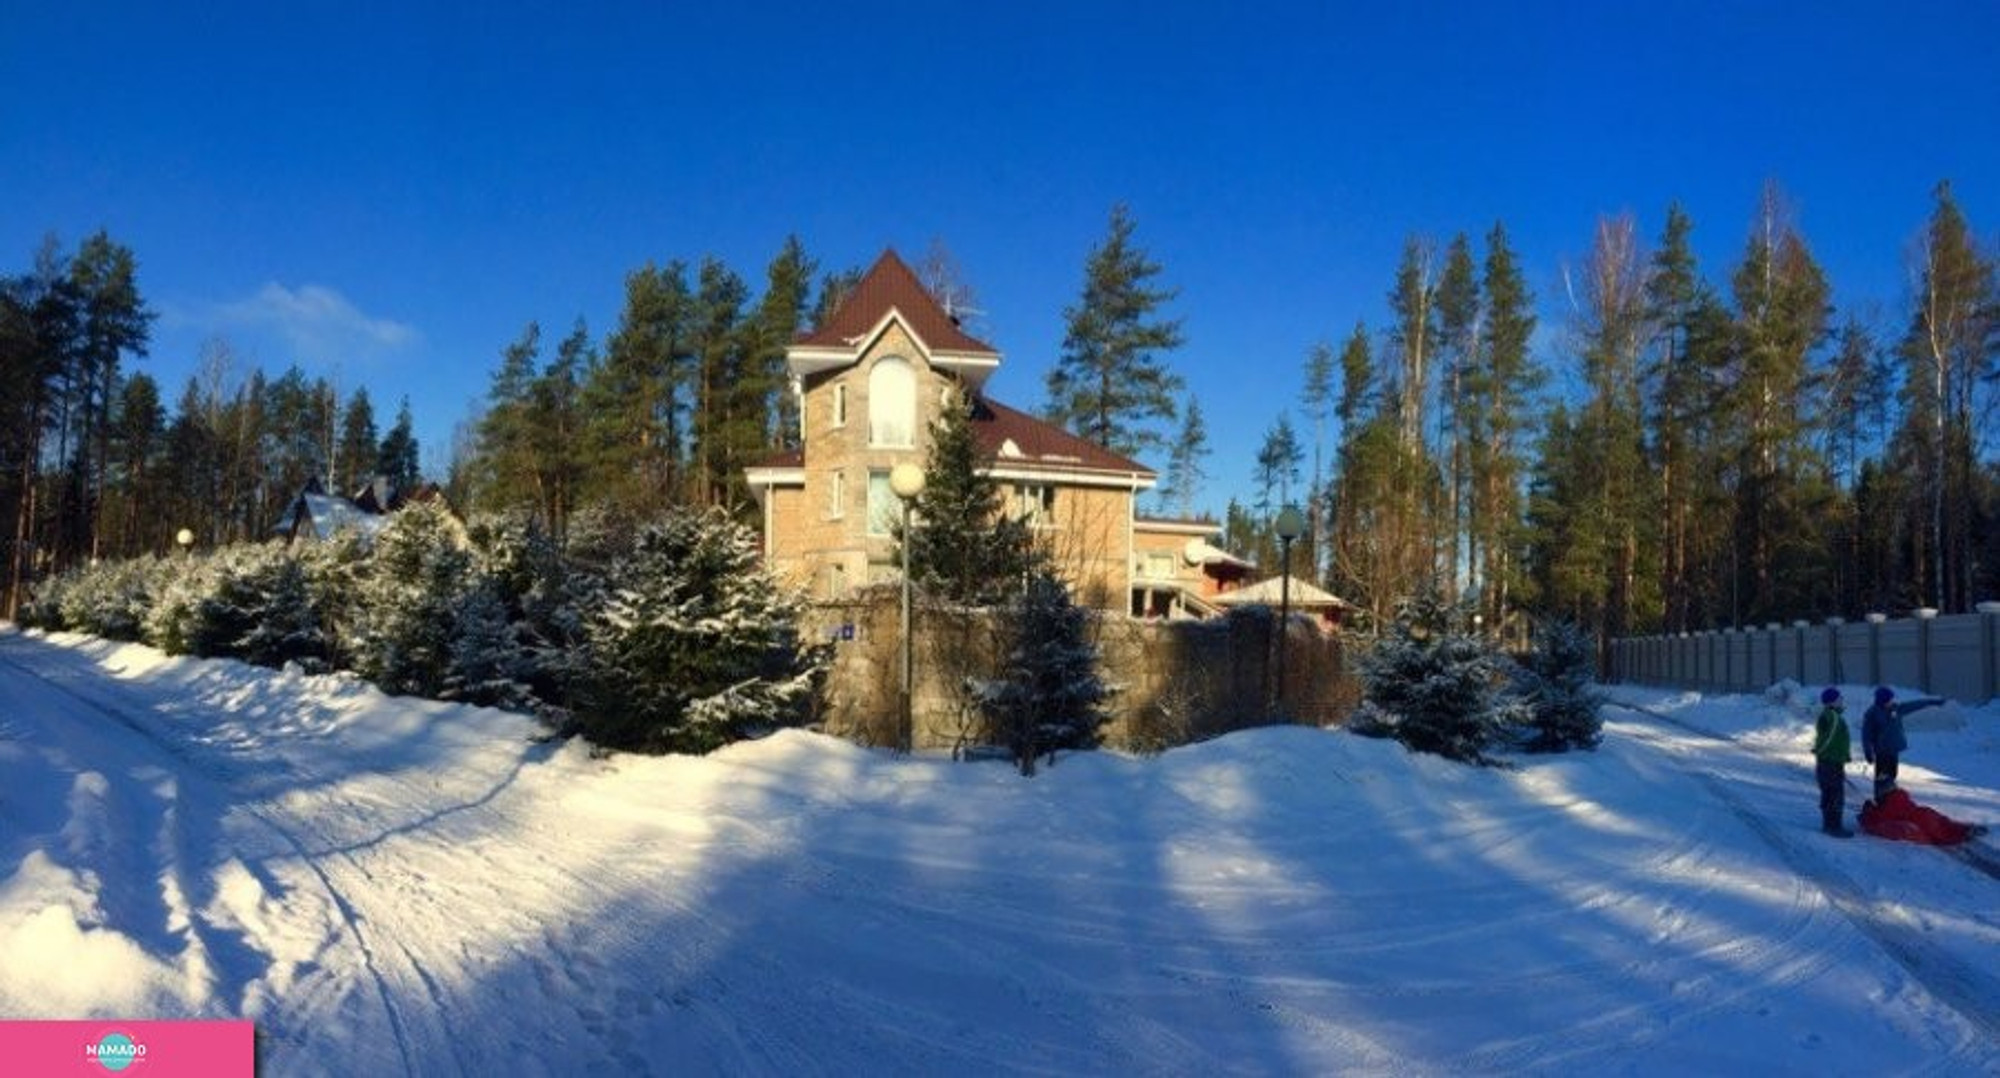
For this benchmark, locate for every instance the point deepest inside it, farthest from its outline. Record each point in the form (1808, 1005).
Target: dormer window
(892, 404)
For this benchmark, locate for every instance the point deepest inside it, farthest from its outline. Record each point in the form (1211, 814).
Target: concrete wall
(1173, 681)
(1956, 656)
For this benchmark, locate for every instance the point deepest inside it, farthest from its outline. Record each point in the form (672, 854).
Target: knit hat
(1884, 694)
(1830, 696)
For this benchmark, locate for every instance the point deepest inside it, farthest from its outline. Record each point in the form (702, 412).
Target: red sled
(1900, 818)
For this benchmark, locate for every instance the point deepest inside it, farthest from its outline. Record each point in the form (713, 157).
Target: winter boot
(1831, 825)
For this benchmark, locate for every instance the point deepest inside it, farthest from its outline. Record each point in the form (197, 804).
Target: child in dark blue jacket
(1882, 740)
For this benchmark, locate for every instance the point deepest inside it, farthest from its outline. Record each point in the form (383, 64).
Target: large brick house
(870, 384)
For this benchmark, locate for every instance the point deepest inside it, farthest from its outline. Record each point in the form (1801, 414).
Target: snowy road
(389, 886)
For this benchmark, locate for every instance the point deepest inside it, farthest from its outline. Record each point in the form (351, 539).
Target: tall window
(892, 404)
(1035, 504)
(883, 507)
(836, 496)
(839, 406)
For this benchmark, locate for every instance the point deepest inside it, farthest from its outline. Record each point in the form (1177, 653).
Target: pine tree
(556, 403)
(1110, 385)
(1782, 310)
(1318, 397)
(542, 596)
(113, 320)
(1357, 384)
(190, 472)
(780, 315)
(1681, 395)
(1278, 462)
(636, 404)
(1049, 695)
(694, 644)
(397, 459)
(507, 427)
(1613, 523)
(963, 549)
(38, 315)
(1557, 685)
(1185, 457)
(1458, 325)
(255, 606)
(354, 455)
(834, 289)
(487, 665)
(1500, 386)
(1413, 302)
(407, 598)
(1951, 348)
(1434, 687)
(138, 428)
(1856, 397)
(730, 408)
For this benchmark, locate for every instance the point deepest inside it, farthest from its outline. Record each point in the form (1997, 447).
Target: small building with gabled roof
(1326, 608)
(870, 384)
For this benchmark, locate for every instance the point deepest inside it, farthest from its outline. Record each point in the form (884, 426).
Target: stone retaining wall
(1173, 681)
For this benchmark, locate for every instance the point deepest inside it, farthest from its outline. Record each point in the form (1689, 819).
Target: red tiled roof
(1041, 444)
(891, 283)
(783, 458)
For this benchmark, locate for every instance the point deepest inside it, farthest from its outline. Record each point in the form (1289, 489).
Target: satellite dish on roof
(1195, 551)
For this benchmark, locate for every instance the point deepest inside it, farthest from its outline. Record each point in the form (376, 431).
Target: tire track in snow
(62, 682)
(1965, 990)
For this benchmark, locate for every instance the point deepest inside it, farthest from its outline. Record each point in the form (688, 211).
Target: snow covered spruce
(661, 636)
(1437, 688)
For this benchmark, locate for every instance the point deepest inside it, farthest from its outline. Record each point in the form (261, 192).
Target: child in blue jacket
(1882, 740)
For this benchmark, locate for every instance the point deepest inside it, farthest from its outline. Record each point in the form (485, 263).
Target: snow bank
(399, 886)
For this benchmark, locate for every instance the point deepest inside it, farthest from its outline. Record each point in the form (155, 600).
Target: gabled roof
(1304, 596)
(891, 284)
(327, 514)
(1016, 441)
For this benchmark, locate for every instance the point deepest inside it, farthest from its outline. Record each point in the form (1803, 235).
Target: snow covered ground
(390, 886)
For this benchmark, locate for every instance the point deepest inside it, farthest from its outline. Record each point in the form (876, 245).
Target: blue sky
(386, 194)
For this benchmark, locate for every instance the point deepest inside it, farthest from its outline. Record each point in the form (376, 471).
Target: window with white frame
(836, 495)
(892, 404)
(884, 508)
(1035, 503)
(1158, 566)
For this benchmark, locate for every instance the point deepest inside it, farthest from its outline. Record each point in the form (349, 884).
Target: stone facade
(1174, 682)
(847, 549)
(861, 416)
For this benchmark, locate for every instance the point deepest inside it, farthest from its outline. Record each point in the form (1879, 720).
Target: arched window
(892, 404)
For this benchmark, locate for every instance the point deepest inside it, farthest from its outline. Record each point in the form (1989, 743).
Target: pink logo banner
(137, 1049)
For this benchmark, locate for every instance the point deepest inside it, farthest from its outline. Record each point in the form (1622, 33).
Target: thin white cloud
(316, 323)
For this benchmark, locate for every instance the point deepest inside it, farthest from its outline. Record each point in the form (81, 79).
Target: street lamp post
(1290, 525)
(907, 481)
(185, 537)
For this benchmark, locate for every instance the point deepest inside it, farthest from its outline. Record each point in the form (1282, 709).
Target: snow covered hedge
(107, 599)
(667, 637)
